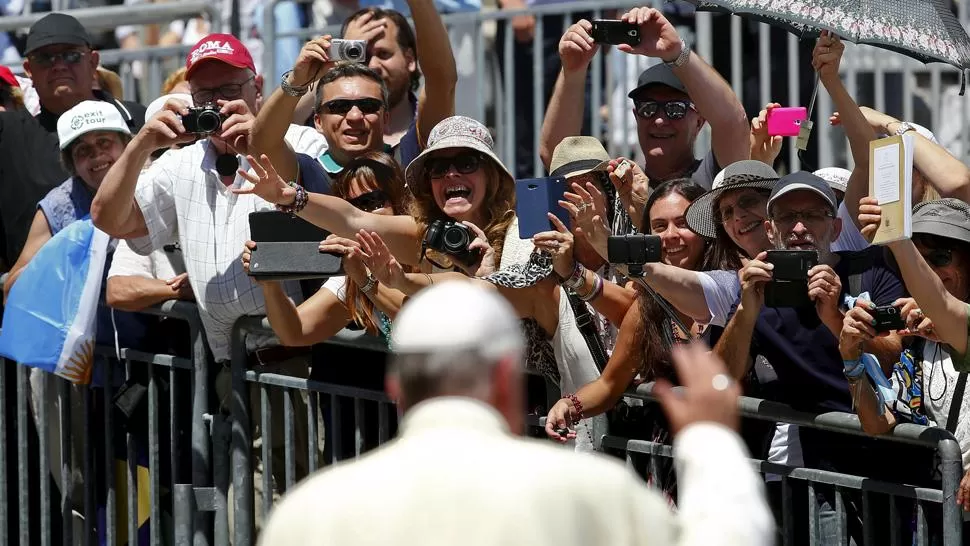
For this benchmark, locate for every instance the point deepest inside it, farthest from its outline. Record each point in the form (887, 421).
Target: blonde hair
(172, 80)
(111, 82)
(499, 202)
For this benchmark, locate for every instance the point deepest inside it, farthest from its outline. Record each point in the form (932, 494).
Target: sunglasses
(749, 202)
(464, 163)
(47, 60)
(674, 109)
(230, 91)
(939, 257)
(341, 107)
(370, 201)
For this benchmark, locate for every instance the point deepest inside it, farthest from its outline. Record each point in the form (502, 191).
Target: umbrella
(925, 30)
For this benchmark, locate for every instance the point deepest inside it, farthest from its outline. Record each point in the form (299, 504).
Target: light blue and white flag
(50, 318)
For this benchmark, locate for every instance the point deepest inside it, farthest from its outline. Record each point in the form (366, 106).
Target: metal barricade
(940, 440)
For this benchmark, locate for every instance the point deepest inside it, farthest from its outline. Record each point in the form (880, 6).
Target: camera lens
(455, 238)
(209, 121)
(354, 52)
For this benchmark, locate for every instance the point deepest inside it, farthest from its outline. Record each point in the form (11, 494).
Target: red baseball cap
(7, 77)
(225, 48)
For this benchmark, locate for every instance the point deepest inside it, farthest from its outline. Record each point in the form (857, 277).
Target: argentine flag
(50, 318)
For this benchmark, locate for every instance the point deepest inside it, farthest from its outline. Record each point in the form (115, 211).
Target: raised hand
(870, 216)
(709, 394)
(485, 266)
(238, 124)
(587, 208)
(559, 243)
(576, 47)
(265, 182)
(352, 256)
(753, 277)
(312, 62)
(658, 38)
(632, 186)
(827, 56)
(366, 27)
(379, 260)
(856, 329)
(764, 147)
(824, 288)
(165, 129)
(917, 324)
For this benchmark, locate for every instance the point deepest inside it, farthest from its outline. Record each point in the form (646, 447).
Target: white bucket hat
(456, 132)
(89, 115)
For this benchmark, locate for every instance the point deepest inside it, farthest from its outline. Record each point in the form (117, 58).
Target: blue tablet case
(534, 197)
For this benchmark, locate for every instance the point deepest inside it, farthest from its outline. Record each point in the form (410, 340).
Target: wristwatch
(290, 89)
(369, 285)
(681, 59)
(904, 127)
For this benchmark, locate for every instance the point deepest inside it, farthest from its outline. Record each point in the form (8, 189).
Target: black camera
(789, 278)
(451, 238)
(634, 251)
(203, 120)
(887, 319)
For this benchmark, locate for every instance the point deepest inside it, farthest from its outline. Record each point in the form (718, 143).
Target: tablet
(287, 248)
(534, 197)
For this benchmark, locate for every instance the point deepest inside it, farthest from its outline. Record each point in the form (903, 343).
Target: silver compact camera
(354, 51)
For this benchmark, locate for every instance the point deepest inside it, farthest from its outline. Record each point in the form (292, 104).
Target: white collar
(453, 412)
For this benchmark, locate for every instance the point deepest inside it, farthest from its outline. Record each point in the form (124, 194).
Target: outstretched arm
(437, 62)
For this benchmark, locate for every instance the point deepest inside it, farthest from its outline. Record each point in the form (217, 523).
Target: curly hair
(499, 200)
(370, 170)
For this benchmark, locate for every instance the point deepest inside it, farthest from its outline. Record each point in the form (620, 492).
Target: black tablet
(287, 248)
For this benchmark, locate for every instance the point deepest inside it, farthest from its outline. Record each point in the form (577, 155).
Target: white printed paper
(885, 171)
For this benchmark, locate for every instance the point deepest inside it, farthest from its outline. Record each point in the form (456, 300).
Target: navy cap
(659, 74)
(803, 181)
(56, 28)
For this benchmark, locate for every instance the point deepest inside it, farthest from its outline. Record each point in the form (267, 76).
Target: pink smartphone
(786, 121)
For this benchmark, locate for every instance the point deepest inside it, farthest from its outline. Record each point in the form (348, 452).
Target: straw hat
(578, 155)
(747, 173)
(456, 132)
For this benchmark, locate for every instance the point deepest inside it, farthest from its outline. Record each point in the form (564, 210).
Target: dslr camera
(203, 120)
(452, 239)
(634, 251)
(354, 51)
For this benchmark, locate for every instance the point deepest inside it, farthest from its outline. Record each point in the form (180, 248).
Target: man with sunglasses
(672, 102)
(801, 343)
(62, 65)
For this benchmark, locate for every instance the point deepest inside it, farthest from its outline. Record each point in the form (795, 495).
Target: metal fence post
(951, 465)
(242, 441)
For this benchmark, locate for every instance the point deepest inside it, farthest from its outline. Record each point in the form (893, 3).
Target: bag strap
(587, 328)
(956, 402)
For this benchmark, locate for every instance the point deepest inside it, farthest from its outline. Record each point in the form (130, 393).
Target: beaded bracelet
(577, 279)
(299, 203)
(594, 292)
(577, 405)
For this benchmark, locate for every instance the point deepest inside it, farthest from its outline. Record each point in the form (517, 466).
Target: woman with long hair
(372, 183)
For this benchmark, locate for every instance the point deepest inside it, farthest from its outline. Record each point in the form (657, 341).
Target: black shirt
(132, 112)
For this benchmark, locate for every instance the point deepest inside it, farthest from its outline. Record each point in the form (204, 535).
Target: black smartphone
(887, 319)
(791, 265)
(614, 32)
(787, 294)
(634, 251)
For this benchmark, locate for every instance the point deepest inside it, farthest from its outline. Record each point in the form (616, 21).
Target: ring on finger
(720, 382)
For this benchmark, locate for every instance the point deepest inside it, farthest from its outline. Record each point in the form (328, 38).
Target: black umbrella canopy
(925, 30)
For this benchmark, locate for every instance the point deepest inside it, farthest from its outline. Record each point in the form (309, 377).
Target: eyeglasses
(808, 217)
(370, 201)
(341, 107)
(674, 109)
(749, 202)
(47, 60)
(230, 91)
(939, 257)
(464, 163)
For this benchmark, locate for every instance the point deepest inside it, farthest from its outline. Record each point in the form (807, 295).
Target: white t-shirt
(722, 289)
(183, 199)
(337, 286)
(160, 264)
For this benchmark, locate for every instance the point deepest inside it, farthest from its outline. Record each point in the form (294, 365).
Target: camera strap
(664, 305)
(586, 326)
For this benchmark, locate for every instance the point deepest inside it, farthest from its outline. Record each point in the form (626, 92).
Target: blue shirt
(802, 350)
(64, 205)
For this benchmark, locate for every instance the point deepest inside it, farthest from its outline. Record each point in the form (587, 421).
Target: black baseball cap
(56, 28)
(803, 181)
(659, 74)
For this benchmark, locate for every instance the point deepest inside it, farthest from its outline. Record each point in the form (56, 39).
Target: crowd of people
(373, 153)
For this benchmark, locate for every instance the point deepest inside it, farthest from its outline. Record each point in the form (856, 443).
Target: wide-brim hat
(456, 132)
(578, 155)
(948, 217)
(747, 173)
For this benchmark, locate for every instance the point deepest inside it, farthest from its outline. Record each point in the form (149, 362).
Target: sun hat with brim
(88, 116)
(455, 132)
(837, 177)
(948, 217)
(747, 173)
(578, 155)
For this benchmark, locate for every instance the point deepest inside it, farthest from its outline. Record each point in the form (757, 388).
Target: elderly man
(458, 474)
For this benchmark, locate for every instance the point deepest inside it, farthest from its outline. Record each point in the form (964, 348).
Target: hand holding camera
(462, 244)
(313, 60)
(166, 128)
(634, 251)
(657, 38)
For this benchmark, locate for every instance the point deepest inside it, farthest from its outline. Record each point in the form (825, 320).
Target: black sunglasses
(342, 106)
(370, 201)
(464, 163)
(47, 60)
(674, 109)
(939, 257)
